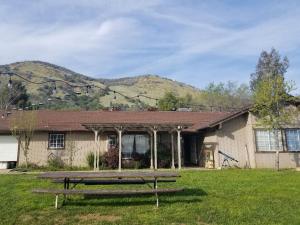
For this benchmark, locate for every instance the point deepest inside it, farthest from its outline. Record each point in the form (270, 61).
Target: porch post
(96, 149)
(151, 151)
(172, 150)
(179, 147)
(155, 148)
(120, 149)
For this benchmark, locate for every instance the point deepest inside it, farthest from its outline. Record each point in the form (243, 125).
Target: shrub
(55, 163)
(111, 158)
(29, 166)
(90, 159)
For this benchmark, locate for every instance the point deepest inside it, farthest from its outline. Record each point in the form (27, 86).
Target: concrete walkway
(4, 171)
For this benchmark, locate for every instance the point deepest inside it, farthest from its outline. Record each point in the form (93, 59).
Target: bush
(110, 159)
(90, 159)
(55, 163)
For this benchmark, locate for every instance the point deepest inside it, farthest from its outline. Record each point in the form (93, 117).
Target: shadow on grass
(189, 195)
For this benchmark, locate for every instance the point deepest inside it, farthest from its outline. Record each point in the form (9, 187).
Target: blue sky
(194, 41)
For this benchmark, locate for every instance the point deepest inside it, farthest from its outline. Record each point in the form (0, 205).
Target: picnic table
(109, 178)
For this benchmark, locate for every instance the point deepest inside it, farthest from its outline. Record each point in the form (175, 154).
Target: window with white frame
(268, 140)
(293, 139)
(56, 141)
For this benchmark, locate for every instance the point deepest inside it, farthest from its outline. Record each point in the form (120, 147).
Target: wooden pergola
(152, 129)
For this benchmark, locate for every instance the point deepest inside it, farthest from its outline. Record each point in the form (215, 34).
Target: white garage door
(8, 148)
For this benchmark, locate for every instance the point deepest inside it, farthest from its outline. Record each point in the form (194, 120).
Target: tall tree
(270, 64)
(22, 126)
(16, 95)
(272, 95)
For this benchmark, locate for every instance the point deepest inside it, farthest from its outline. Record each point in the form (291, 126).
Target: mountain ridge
(153, 86)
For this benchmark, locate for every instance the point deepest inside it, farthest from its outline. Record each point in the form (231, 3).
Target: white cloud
(136, 37)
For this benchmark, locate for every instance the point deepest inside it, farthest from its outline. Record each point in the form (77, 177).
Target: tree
(271, 99)
(185, 101)
(269, 65)
(22, 126)
(227, 96)
(16, 95)
(169, 102)
(272, 95)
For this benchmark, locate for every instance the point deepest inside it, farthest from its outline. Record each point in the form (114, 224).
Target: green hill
(126, 89)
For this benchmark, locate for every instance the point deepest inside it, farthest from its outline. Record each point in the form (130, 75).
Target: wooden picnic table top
(105, 174)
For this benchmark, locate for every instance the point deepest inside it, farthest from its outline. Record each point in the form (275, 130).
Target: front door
(191, 152)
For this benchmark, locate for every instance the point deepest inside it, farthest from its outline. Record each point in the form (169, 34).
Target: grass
(211, 197)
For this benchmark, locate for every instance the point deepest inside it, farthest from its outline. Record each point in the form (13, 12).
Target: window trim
(283, 142)
(53, 148)
(286, 140)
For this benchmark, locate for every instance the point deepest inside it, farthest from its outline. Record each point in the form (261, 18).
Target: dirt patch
(202, 223)
(26, 218)
(98, 217)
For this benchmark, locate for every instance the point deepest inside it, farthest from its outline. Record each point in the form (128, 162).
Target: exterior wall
(286, 160)
(83, 143)
(268, 159)
(231, 138)
(237, 139)
(251, 146)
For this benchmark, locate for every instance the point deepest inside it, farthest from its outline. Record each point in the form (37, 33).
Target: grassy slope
(211, 197)
(153, 86)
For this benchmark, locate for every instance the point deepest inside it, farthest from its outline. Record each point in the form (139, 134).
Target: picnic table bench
(108, 178)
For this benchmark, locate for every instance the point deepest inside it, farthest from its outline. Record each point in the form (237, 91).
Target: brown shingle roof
(72, 120)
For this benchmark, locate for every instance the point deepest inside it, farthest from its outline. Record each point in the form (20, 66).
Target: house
(189, 139)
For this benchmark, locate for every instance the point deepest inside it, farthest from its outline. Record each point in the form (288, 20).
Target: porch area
(165, 145)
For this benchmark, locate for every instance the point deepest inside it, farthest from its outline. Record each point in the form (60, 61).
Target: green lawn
(211, 197)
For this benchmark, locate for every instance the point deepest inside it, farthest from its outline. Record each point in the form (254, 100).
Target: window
(293, 139)
(112, 141)
(56, 141)
(268, 140)
(134, 143)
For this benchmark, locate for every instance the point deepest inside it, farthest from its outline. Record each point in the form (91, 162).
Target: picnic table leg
(56, 201)
(155, 187)
(66, 186)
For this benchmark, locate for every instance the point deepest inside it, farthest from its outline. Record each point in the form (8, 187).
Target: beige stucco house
(188, 139)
